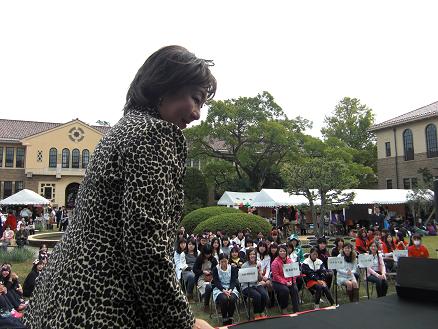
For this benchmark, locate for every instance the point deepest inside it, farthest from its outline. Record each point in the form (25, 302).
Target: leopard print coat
(113, 267)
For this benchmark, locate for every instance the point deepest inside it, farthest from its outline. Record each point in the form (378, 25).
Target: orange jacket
(420, 251)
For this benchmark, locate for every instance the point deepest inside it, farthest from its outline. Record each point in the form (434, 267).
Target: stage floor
(386, 312)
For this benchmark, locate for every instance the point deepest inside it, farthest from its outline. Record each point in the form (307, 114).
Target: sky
(61, 60)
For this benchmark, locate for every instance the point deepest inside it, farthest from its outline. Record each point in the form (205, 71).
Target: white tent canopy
(237, 198)
(271, 198)
(383, 197)
(25, 197)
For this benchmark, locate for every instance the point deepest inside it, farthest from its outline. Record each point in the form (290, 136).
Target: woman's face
(389, 238)
(282, 253)
(224, 262)
(252, 257)
(294, 242)
(183, 107)
(314, 256)
(347, 251)
(373, 248)
(216, 244)
(5, 272)
(274, 251)
(191, 246)
(234, 254)
(340, 244)
(262, 249)
(182, 245)
(39, 267)
(226, 243)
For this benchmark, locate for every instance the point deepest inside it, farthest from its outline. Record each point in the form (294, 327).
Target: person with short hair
(346, 276)
(417, 249)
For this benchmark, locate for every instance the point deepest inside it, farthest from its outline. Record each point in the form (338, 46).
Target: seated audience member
(30, 226)
(315, 274)
(235, 259)
(388, 247)
(21, 236)
(240, 239)
(14, 291)
(323, 254)
(203, 240)
(400, 242)
(29, 283)
(378, 240)
(337, 249)
(283, 286)
(298, 251)
(273, 251)
(225, 292)
(188, 276)
(179, 258)
(376, 273)
(260, 238)
(255, 290)
(417, 249)
(216, 247)
(8, 236)
(203, 274)
(362, 242)
(249, 244)
(225, 245)
(265, 264)
(346, 277)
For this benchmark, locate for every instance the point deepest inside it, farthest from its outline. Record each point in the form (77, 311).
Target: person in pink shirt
(283, 286)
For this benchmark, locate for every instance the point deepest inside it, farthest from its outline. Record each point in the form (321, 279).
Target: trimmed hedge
(192, 219)
(232, 223)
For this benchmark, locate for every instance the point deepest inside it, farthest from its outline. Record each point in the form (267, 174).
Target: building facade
(47, 158)
(406, 146)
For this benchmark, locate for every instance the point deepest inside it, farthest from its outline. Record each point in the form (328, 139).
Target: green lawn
(431, 243)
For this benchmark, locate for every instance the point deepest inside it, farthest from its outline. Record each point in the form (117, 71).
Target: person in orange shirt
(400, 242)
(417, 249)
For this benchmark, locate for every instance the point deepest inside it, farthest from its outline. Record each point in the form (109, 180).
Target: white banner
(365, 260)
(291, 270)
(336, 263)
(396, 254)
(248, 275)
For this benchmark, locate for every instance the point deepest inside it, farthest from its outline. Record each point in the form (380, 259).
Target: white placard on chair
(248, 275)
(336, 263)
(291, 270)
(365, 260)
(396, 254)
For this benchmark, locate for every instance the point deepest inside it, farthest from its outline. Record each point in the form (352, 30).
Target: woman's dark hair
(168, 71)
(225, 238)
(178, 247)
(234, 249)
(313, 249)
(389, 245)
(248, 240)
(290, 245)
(262, 244)
(219, 245)
(377, 248)
(337, 240)
(206, 250)
(222, 256)
(283, 246)
(352, 257)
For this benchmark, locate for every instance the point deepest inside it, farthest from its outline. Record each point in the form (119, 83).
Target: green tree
(195, 190)
(251, 133)
(350, 122)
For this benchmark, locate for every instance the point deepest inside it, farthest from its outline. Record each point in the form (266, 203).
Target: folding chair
(219, 314)
(246, 301)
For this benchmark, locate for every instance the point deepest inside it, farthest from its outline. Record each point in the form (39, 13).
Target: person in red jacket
(417, 249)
(11, 221)
(362, 242)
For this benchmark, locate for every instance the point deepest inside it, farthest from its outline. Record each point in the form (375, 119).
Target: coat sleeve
(234, 275)
(153, 177)
(216, 281)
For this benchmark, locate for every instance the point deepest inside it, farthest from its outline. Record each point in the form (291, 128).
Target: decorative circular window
(76, 134)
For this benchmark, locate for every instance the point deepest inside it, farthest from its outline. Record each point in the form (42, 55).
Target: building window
(408, 144)
(39, 156)
(18, 186)
(414, 183)
(53, 157)
(406, 183)
(47, 192)
(431, 141)
(7, 190)
(19, 158)
(9, 162)
(388, 149)
(389, 183)
(75, 155)
(65, 158)
(1, 156)
(85, 158)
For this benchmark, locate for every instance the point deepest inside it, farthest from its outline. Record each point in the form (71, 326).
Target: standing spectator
(283, 286)
(29, 283)
(11, 221)
(315, 275)
(225, 292)
(417, 249)
(255, 290)
(303, 224)
(58, 217)
(8, 235)
(376, 273)
(346, 276)
(21, 236)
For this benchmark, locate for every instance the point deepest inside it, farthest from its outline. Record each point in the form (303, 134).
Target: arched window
(75, 156)
(53, 157)
(85, 158)
(431, 141)
(408, 144)
(65, 158)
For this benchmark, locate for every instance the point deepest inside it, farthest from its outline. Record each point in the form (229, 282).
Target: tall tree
(349, 122)
(195, 190)
(251, 133)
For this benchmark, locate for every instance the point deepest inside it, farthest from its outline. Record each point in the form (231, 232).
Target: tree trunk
(314, 221)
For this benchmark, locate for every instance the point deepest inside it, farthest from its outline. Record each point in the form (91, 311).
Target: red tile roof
(424, 112)
(15, 130)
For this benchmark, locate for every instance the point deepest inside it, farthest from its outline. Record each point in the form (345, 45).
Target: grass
(431, 243)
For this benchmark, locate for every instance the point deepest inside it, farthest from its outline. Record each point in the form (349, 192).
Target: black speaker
(417, 278)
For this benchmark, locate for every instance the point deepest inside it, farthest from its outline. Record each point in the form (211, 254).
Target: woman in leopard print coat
(127, 211)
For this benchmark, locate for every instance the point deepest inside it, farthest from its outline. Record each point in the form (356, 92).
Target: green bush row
(192, 219)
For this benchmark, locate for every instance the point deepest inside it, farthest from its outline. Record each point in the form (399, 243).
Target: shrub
(17, 255)
(232, 223)
(192, 219)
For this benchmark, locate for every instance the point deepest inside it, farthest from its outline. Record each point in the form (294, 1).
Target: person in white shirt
(239, 240)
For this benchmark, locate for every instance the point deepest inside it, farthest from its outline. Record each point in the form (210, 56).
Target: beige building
(48, 158)
(406, 144)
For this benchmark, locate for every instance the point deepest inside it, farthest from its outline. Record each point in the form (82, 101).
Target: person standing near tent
(11, 221)
(113, 266)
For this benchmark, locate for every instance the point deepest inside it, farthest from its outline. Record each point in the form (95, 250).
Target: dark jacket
(29, 283)
(233, 281)
(313, 270)
(323, 255)
(197, 268)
